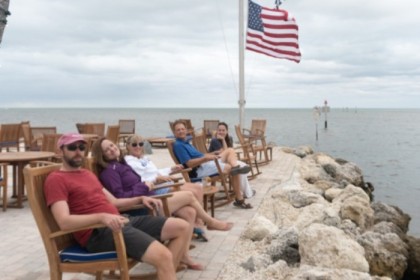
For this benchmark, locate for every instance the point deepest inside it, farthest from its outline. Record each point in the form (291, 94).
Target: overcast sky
(162, 53)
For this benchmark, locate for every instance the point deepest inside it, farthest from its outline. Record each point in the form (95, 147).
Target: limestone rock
(386, 253)
(389, 213)
(326, 246)
(259, 228)
(303, 151)
(332, 193)
(317, 213)
(284, 246)
(413, 271)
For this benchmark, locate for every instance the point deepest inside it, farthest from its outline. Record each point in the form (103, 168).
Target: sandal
(241, 204)
(199, 235)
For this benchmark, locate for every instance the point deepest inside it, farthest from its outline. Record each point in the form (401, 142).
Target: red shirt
(83, 193)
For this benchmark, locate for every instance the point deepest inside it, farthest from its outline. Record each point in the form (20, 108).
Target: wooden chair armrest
(177, 179)
(163, 197)
(65, 232)
(175, 186)
(246, 131)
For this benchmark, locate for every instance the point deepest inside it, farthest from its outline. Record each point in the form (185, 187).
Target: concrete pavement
(22, 254)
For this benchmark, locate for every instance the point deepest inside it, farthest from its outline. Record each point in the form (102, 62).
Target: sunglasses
(135, 144)
(74, 147)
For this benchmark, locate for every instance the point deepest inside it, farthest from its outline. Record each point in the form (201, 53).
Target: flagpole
(241, 65)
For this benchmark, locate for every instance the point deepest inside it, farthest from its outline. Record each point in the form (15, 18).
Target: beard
(75, 162)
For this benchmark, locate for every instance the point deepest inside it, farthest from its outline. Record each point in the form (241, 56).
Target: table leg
(19, 186)
(14, 180)
(212, 205)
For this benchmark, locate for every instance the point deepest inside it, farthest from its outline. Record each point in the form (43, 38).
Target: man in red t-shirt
(77, 199)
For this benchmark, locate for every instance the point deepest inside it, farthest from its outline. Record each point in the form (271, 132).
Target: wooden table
(159, 141)
(19, 160)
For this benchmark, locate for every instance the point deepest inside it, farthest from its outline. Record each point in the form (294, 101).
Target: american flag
(272, 32)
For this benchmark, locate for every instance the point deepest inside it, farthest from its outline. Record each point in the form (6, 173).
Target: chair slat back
(113, 133)
(199, 142)
(37, 134)
(49, 142)
(258, 127)
(95, 128)
(127, 126)
(39, 131)
(210, 126)
(170, 146)
(239, 135)
(34, 180)
(9, 136)
(25, 131)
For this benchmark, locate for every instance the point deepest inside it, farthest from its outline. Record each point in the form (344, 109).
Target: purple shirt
(121, 180)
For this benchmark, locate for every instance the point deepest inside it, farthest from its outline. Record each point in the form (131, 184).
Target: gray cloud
(182, 53)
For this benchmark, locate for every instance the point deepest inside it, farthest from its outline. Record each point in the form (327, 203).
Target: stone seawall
(323, 223)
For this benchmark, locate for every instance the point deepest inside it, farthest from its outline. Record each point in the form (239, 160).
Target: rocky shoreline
(323, 224)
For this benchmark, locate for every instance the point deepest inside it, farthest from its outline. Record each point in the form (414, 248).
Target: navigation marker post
(325, 110)
(316, 113)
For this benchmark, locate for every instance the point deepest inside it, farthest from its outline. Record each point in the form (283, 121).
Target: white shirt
(146, 168)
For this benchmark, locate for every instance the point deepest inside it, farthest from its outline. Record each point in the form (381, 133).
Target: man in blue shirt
(204, 165)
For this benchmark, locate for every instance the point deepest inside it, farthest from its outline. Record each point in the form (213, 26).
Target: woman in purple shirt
(122, 181)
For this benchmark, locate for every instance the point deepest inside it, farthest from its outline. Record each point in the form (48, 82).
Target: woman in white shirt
(149, 173)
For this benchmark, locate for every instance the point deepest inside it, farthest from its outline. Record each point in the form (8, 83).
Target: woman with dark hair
(122, 181)
(221, 141)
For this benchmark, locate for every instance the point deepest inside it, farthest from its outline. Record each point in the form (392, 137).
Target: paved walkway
(22, 255)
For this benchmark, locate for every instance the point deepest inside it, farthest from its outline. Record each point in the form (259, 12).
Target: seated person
(148, 171)
(121, 180)
(77, 199)
(223, 141)
(204, 165)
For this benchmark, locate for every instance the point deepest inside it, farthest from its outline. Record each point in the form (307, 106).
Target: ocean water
(384, 143)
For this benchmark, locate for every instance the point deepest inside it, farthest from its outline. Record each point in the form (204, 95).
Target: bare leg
(188, 213)
(178, 232)
(182, 198)
(197, 191)
(229, 156)
(161, 258)
(236, 187)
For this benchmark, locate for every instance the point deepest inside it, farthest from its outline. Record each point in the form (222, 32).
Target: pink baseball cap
(69, 138)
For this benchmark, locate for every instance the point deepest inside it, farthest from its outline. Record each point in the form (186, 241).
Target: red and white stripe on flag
(272, 32)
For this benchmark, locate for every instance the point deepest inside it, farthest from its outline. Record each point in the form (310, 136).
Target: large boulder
(327, 246)
(259, 228)
(389, 213)
(284, 246)
(386, 253)
(354, 204)
(413, 270)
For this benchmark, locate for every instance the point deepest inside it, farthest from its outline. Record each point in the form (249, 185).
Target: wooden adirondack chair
(221, 178)
(56, 240)
(248, 154)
